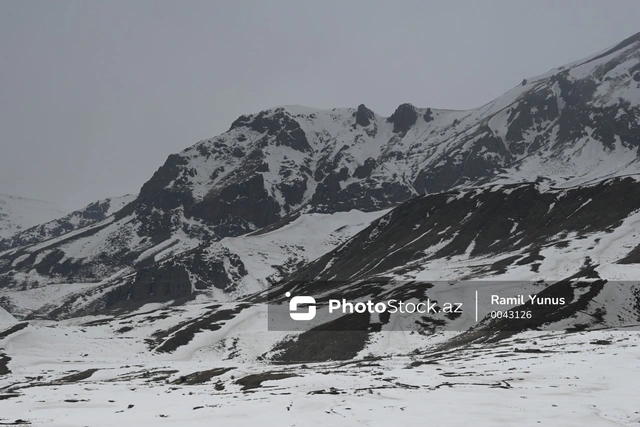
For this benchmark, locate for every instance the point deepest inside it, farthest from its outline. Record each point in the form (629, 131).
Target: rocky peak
(278, 123)
(364, 116)
(403, 118)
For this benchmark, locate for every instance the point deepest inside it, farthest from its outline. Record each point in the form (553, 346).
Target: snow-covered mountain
(48, 229)
(241, 265)
(516, 231)
(101, 373)
(580, 243)
(158, 305)
(18, 214)
(577, 124)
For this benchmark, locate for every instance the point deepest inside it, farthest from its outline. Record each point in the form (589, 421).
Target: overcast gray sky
(95, 94)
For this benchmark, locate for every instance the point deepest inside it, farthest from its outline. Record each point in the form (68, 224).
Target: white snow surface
(6, 317)
(303, 240)
(19, 213)
(538, 378)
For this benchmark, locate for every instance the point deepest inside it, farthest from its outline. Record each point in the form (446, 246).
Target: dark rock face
(428, 115)
(364, 116)
(621, 121)
(293, 192)
(157, 284)
(223, 270)
(578, 114)
(478, 163)
(365, 170)
(239, 205)
(157, 201)
(329, 341)
(287, 130)
(235, 208)
(4, 363)
(155, 193)
(403, 118)
(366, 196)
(176, 279)
(487, 155)
(532, 113)
(333, 194)
(95, 211)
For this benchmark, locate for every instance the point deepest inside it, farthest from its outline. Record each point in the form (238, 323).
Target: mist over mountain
(19, 213)
(45, 230)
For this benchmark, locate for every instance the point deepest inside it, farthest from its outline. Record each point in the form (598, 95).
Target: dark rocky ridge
(364, 116)
(481, 220)
(403, 118)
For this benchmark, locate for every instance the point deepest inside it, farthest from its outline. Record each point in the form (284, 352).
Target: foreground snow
(556, 379)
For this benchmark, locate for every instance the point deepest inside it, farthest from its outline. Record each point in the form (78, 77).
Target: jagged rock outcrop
(364, 116)
(403, 118)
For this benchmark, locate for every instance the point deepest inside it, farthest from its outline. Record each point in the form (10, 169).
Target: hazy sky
(95, 94)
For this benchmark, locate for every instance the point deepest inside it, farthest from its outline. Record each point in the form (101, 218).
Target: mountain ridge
(80, 218)
(19, 213)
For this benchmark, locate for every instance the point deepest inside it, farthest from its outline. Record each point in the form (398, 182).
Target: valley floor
(541, 378)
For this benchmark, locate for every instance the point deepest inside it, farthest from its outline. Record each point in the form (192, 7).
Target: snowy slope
(269, 257)
(18, 213)
(99, 372)
(88, 215)
(5, 317)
